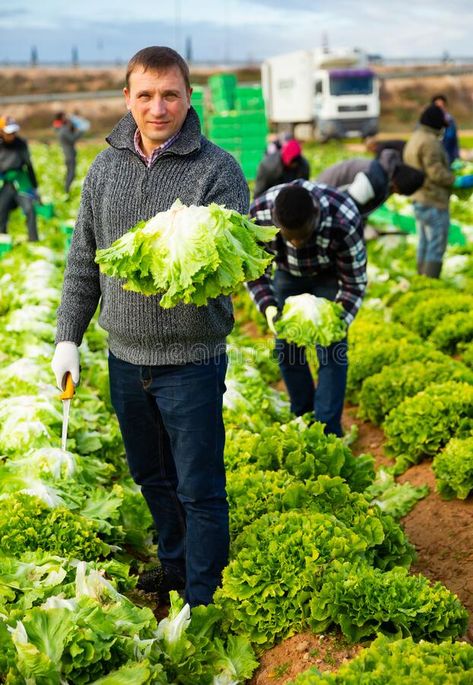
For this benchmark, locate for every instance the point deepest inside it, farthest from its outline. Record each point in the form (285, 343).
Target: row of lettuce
(310, 547)
(411, 368)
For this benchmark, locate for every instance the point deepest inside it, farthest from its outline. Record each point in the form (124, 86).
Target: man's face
(298, 237)
(159, 102)
(441, 104)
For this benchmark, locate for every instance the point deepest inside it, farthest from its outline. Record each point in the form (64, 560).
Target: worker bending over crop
(167, 366)
(319, 250)
(369, 182)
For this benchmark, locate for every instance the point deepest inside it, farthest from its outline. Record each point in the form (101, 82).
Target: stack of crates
(222, 92)
(243, 129)
(249, 98)
(198, 103)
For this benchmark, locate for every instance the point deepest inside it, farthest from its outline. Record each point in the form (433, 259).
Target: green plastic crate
(250, 169)
(229, 144)
(44, 210)
(67, 229)
(456, 235)
(6, 244)
(383, 216)
(404, 222)
(228, 81)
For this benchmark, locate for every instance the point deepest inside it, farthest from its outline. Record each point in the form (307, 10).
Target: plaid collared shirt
(156, 152)
(336, 246)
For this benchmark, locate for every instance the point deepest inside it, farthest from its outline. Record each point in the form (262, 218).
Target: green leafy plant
(427, 313)
(307, 320)
(364, 601)
(188, 254)
(453, 468)
(385, 390)
(422, 424)
(452, 329)
(400, 662)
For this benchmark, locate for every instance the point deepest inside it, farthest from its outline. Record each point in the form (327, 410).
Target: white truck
(332, 94)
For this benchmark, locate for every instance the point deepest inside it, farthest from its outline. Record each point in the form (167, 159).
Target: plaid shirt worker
(336, 245)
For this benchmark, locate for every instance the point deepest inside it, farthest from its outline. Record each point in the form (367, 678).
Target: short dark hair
(407, 179)
(158, 57)
(294, 207)
(439, 97)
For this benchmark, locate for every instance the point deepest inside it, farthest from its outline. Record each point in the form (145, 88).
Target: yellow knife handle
(68, 392)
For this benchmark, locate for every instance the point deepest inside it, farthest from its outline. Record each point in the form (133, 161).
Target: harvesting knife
(66, 396)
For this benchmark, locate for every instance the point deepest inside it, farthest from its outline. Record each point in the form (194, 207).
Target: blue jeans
(327, 398)
(433, 225)
(171, 422)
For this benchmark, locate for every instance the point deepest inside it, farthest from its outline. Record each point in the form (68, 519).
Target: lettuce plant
(307, 320)
(385, 390)
(453, 468)
(424, 423)
(188, 254)
(400, 662)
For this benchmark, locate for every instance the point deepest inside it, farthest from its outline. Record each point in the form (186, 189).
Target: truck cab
(331, 94)
(346, 102)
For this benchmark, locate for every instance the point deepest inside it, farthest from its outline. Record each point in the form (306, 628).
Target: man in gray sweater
(167, 366)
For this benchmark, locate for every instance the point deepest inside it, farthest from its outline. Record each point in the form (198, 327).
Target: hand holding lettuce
(307, 320)
(188, 254)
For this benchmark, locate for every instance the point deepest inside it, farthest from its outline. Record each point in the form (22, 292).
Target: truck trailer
(329, 94)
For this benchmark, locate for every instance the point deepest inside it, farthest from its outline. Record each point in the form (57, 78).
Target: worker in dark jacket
(282, 166)
(18, 184)
(68, 135)
(369, 182)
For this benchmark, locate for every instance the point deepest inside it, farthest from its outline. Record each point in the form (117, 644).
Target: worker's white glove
(271, 314)
(361, 189)
(66, 358)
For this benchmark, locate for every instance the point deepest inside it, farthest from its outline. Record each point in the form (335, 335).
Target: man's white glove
(271, 314)
(66, 358)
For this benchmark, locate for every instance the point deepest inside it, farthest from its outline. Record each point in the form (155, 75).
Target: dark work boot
(420, 268)
(161, 580)
(432, 269)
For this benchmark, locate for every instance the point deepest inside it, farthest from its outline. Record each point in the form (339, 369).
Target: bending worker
(369, 182)
(319, 250)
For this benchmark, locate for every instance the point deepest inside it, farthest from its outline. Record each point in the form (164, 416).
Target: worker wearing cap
(282, 166)
(18, 182)
(424, 150)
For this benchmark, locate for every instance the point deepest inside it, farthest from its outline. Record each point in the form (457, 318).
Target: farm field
(334, 541)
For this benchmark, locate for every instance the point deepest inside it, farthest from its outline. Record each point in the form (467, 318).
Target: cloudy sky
(232, 30)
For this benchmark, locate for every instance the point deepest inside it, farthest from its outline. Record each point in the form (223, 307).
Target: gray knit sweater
(119, 191)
